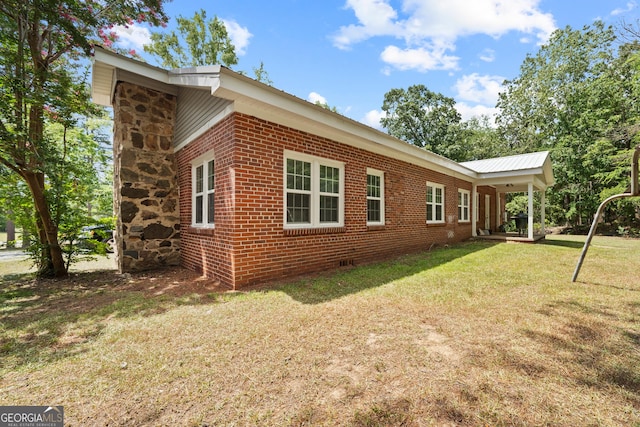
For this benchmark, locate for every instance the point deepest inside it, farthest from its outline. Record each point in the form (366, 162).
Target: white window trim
(195, 163)
(468, 206)
(433, 214)
(316, 162)
(380, 174)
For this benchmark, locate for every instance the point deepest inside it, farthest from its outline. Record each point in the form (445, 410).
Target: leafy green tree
(423, 118)
(262, 75)
(478, 140)
(575, 97)
(40, 43)
(198, 42)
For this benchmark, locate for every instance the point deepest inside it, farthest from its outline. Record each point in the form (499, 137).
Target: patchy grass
(475, 334)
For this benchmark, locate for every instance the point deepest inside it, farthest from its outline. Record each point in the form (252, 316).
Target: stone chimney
(145, 179)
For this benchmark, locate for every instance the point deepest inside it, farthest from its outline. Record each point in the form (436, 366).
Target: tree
(207, 43)
(575, 97)
(40, 43)
(423, 118)
(262, 75)
(478, 139)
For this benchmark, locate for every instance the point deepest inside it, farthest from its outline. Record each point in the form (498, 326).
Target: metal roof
(514, 173)
(510, 163)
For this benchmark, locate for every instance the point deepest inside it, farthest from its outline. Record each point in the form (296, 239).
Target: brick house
(245, 183)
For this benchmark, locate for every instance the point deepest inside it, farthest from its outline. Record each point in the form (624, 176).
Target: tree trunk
(54, 264)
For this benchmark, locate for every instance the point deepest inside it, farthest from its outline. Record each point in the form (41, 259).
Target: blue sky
(349, 53)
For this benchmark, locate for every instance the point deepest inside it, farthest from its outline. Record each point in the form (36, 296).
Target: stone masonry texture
(145, 186)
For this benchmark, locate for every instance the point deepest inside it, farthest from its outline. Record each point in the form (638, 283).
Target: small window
(435, 203)
(463, 205)
(375, 197)
(314, 191)
(203, 192)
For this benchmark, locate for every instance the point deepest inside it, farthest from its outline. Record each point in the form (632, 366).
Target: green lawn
(475, 334)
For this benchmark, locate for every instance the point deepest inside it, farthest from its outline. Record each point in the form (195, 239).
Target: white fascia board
(509, 174)
(118, 61)
(197, 77)
(254, 98)
(515, 183)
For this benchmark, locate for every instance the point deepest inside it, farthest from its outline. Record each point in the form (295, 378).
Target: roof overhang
(268, 103)
(513, 174)
(257, 99)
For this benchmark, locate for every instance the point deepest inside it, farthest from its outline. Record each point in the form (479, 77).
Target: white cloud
(468, 111)
(372, 118)
(429, 25)
(239, 35)
(422, 58)
(620, 11)
(479, 89)
(316, 97)
(478, 95)
(487, 55)
(132, 36)
(376, 18)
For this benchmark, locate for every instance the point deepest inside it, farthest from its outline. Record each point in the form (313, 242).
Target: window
(314, 191)
(463, 205)
(435, 203)
(375, 197)
(203, 192)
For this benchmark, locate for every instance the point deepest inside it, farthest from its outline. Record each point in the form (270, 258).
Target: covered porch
(524, 173)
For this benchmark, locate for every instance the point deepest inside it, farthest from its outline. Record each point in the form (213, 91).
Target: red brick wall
(209, 251)
(250, 245)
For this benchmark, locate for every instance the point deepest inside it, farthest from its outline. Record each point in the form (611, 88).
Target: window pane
(329, 179)
(210, 173)
(298, 175)
(373, 210)
(438, 195)
(438, 212)
(298, 208)
(199, 209)
(429, 212)
(373, 186)
(328, 209)
(429, 194)
(460, 216)
(199, 179)
(210, 208)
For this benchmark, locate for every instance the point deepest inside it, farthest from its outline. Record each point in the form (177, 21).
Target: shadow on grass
(597, 346)
(44, 320)
(563, 243)
(315, 289)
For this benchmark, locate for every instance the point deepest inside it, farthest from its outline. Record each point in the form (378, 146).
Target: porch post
(543, 208)
(474, 217)
(530, 211)
(498, 212)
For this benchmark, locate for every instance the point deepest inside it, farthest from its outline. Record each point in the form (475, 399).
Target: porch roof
(513, 173)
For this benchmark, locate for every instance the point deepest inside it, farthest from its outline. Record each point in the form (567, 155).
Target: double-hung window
(203, 192)
(463, 205)
(435, 203)
(314, 191)
(375, 197)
